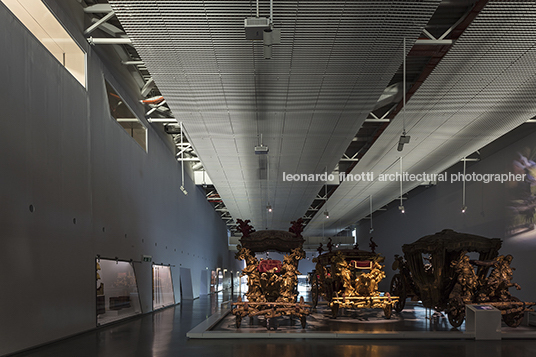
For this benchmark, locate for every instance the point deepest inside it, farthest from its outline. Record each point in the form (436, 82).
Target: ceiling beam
(99, 22)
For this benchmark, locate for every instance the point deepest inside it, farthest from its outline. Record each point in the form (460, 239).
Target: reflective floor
(412, 318)
(164, 334)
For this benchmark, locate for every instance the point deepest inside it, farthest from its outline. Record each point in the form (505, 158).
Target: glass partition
(117, 291)
(162, 287)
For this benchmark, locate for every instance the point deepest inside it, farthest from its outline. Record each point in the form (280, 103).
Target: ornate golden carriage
(272, 284)
(348, 278)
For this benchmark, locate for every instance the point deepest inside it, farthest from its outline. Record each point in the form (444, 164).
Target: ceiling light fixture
(404, 139)
(401, 206)
(269, 208)
(370, 203)
(464, 207)
(271, 36)
(261, 149)
(326, 213)
(183, 189)
(262, 28)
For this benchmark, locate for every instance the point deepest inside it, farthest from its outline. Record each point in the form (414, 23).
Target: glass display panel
(162, 287)
(117, 291)
(213, 281)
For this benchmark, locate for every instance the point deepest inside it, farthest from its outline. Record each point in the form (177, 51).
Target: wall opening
(42, 23)
(125, 117)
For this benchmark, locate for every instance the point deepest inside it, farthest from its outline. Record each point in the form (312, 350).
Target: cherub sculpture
(252, 272)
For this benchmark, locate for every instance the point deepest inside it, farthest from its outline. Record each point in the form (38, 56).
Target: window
(46, 28)
(124, 116)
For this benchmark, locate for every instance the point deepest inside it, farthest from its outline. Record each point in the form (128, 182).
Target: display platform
(414, 322)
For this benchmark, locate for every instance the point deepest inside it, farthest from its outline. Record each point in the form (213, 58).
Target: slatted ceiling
(490, 106)
(313, 44)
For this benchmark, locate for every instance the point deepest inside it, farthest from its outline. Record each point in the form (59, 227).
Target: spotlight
(270, 37)
(269, 208)
(326, 213)
(261, 150)
(371, 230)
(403, 140)
(464, 208)
(401, 208)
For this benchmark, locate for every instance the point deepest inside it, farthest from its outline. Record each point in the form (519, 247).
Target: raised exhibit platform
(414, 322)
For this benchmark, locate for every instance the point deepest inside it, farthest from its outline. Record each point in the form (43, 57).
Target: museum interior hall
(268, 177)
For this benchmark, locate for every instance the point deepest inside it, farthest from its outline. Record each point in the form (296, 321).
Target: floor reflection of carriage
(348, 278)
(438, 271)
(272, 284)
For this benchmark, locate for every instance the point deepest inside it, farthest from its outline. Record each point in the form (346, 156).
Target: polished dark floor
(163, 334)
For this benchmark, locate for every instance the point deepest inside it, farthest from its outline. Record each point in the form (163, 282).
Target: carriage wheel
(315, 291)
(238, 321)
(303, 320)
(388, 310)
(334, 310)
(456, 312)
(398, 288)
(514, 319)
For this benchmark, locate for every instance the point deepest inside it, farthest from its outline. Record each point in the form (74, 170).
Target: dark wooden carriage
(437, 271)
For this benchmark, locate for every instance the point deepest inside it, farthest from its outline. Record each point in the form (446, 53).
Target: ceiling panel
(480, 90)
(333, 63)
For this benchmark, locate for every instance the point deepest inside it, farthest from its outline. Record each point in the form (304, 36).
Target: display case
(163, 294)
(116, 290)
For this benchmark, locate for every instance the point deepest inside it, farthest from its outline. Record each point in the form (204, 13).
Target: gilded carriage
(272, 284)
(438, 271)
(348, 278)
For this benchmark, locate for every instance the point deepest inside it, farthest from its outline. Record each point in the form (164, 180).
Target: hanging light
(370, 202)
(326, 213)
(464, 207)
(269, 208)
(401, 206)
(404, 139)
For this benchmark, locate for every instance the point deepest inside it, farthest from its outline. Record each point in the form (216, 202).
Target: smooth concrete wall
(74, 185)
(430, 210)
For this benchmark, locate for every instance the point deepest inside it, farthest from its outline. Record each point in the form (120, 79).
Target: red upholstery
(361, 264)
(267, 265)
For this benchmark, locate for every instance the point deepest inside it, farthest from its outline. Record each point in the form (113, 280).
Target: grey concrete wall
(92, 189)
(430, 210)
